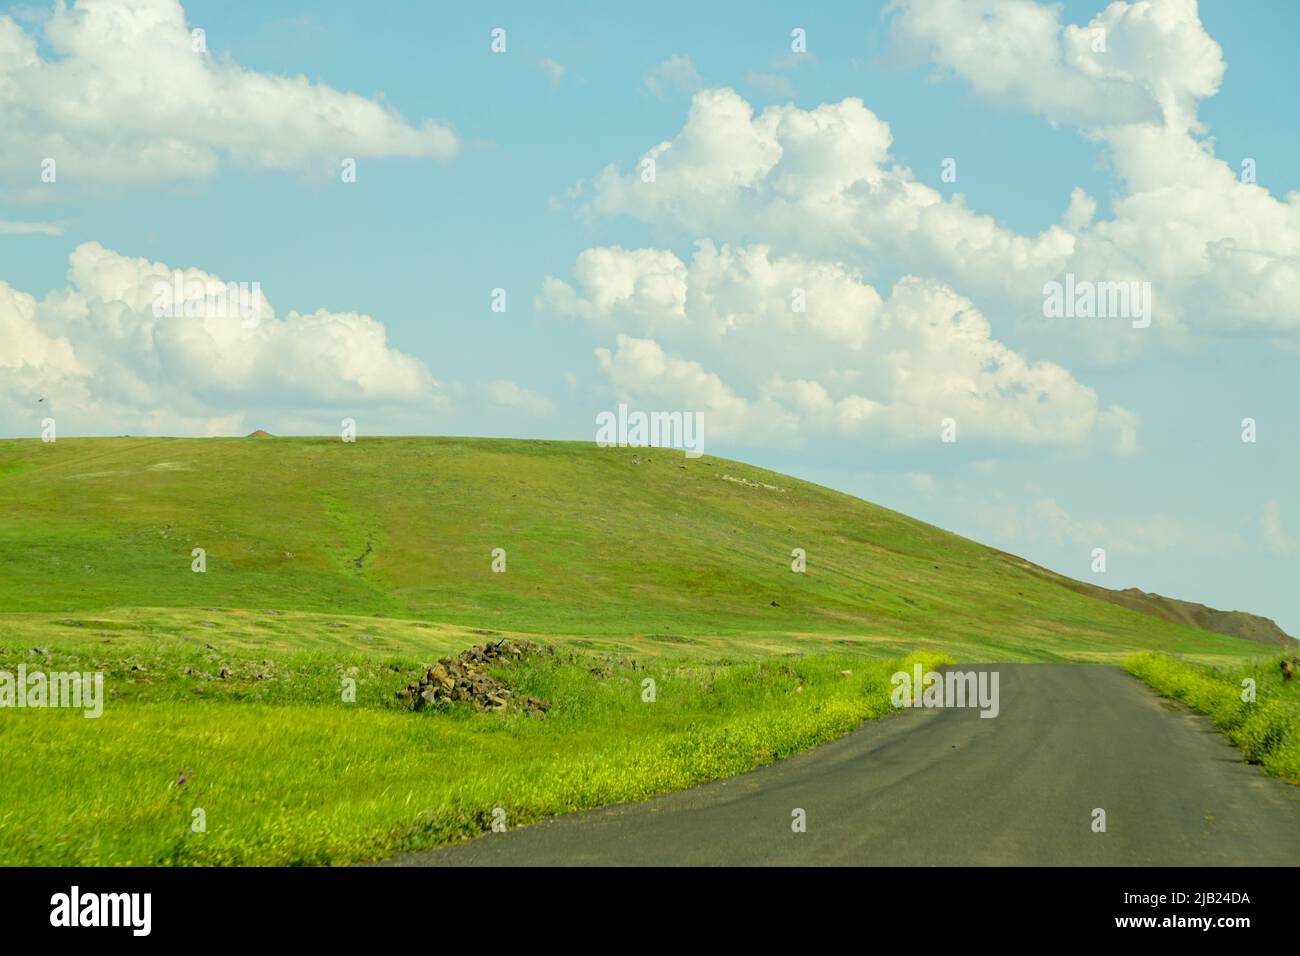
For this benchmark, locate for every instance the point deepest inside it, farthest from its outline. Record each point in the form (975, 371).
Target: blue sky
(1071, 437)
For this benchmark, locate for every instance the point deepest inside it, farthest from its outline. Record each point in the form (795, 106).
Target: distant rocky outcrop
(1251, 627)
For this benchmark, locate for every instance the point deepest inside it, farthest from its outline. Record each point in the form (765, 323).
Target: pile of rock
(463, 678)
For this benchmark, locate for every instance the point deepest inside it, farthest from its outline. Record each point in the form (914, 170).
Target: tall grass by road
(286, 772)
(1267, 729)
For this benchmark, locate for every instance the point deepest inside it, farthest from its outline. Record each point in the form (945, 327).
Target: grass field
(326, 560)
(285, 772)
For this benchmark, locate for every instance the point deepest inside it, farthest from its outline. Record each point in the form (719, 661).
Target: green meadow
(286, 773)
(327, 562)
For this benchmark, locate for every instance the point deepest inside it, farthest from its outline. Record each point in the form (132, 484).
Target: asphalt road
(946, 787)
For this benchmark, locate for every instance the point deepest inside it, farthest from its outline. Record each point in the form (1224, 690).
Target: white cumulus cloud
(1220, 253)
(768, 344)
(123, 97)
(106, 363)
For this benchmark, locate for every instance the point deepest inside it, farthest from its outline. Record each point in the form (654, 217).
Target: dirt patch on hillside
(750, 484)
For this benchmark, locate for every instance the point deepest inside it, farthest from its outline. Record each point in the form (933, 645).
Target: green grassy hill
(390, 541)
(330, 566)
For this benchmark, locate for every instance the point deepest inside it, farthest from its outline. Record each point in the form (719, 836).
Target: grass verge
(286, 772)
(1267, 729)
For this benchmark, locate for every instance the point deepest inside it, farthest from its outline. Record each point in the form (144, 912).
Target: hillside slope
(609, 547)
